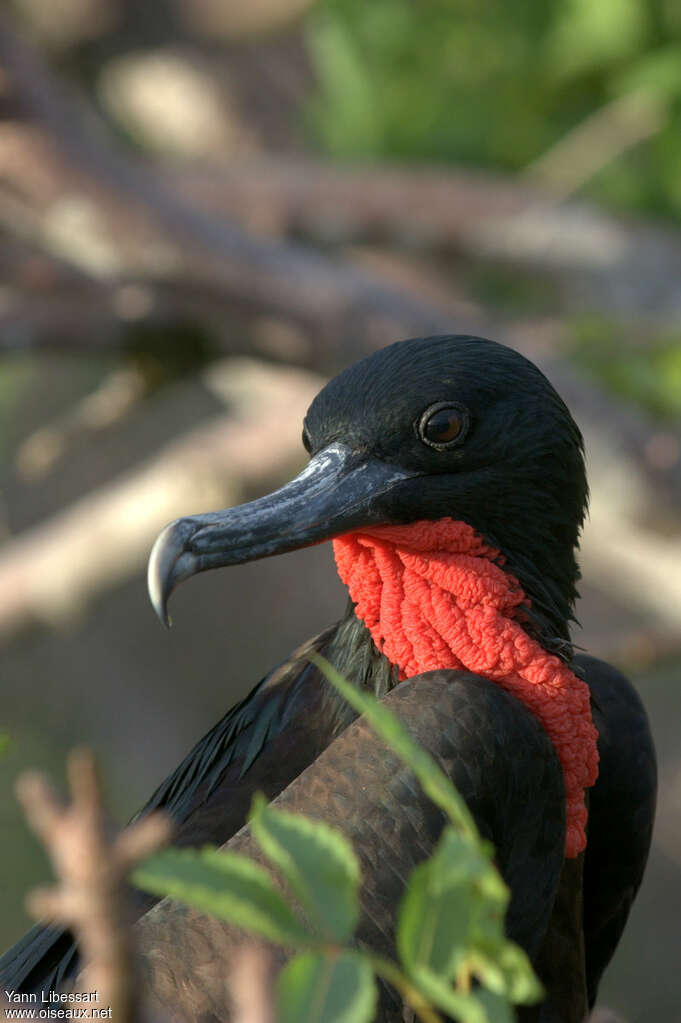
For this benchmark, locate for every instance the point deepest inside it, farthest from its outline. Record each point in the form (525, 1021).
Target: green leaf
(461, 1006)
(225, 885)
(497, 1008)
(658, 71)
(504, 968)
(326, 989)
(592, 36)
(433, 781)
(494, 890)
(4, 743)
(318, 861)
(346, 112)
(439, 909)
(477, 1006)
(465, 861)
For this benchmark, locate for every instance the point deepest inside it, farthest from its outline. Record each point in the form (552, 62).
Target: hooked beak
(338, 490)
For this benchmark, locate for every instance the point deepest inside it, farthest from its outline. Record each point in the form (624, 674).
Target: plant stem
(412, 996)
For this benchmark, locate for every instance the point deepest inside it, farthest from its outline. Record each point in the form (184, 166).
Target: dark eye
(443, 425)
(307, 443)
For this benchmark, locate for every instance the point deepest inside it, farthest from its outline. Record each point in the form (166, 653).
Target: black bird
(440, 430)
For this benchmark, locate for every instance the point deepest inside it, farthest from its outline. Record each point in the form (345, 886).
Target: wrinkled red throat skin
(435, 595)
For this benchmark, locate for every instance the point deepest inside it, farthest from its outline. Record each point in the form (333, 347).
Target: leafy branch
(453, 955)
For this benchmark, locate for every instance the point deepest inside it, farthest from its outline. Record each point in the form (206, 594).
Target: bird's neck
(436, 595)
(354, 654)
(548, 576)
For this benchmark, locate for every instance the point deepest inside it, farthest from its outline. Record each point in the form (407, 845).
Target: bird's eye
(443, 426)
(307, 442)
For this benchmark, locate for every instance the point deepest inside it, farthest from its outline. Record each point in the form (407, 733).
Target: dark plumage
(514, 471)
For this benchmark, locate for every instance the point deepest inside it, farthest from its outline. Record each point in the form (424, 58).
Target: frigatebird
(450, 476)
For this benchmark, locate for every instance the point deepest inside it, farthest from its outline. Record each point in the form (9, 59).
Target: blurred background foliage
(516, 166)
(650, 374)
(496, 85)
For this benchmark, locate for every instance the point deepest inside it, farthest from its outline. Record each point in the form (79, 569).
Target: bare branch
(91, 868)
(130, 223)
(599, 140)
(251, 985)
(620, 267)
(110, 402)
(47, 574)
(189, 244)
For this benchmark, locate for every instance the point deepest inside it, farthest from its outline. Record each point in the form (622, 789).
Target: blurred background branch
(49, 573)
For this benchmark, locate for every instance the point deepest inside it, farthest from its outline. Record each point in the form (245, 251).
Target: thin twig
(91, 868)
(410, 994)
(599, 140)
(251, 987)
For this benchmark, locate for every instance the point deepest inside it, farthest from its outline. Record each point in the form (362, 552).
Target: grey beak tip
(158, 598)
(162, 573)
(162, 614)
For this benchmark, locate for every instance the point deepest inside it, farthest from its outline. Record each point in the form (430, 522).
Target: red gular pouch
(434, 595)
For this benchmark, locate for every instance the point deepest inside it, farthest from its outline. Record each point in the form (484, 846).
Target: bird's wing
(238, 739)
(621, 812)
(500, 759)
(269, 720)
